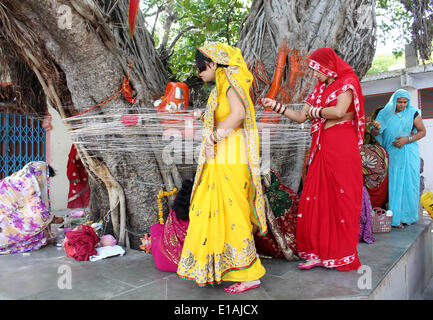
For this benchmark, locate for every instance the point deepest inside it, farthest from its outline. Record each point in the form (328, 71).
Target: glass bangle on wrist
(410, 138)
(279, 108)
(315, 112)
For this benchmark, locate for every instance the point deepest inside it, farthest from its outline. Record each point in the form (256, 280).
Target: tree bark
(78, 54)
(79, 65)
(349, 27)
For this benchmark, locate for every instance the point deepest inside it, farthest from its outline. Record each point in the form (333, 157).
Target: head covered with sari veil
(240, 79)
(384, 116)
(328, 63)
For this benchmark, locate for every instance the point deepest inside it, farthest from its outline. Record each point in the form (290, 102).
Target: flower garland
(161, 194)
(146, 243)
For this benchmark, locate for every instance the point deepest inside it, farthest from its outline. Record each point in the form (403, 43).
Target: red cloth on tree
(80, 244)
(331, 201)
(79, 189)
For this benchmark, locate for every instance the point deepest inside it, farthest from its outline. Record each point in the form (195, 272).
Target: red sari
(331, 200)
(79, 190)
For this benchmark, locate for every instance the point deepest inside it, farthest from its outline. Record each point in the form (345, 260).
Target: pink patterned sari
(25, 209)
(167, 242)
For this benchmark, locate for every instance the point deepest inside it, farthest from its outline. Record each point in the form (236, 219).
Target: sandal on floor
(239, 287)
(306, 266)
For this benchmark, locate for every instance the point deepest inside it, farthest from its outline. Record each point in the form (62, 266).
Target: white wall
(426, 151)
(425, 144)
(59, 145)
(377, 86)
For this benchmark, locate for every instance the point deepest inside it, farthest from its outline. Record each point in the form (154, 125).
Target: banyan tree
(79, 55)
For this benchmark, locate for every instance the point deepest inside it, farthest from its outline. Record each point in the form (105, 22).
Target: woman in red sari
(331, 200)
(79, 189)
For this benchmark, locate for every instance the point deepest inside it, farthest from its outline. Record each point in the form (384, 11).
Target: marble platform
(398, 265)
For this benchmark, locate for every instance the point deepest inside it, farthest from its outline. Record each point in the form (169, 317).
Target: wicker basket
(381, 223)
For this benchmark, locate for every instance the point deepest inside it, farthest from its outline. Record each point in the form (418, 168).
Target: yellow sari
(227, 193)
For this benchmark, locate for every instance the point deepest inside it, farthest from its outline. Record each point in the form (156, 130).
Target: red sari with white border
(328, 221)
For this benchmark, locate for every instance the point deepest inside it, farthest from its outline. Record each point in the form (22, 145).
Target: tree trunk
(79, 54)
(298, 27)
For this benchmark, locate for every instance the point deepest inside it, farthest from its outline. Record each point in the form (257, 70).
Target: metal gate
(22, 139)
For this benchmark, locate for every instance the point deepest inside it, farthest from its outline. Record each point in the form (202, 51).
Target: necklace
(399, 115)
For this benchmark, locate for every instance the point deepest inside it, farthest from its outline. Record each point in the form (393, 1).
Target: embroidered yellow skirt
(219, 245)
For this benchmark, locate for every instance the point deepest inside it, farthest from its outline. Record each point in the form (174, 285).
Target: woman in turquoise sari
(397, 128)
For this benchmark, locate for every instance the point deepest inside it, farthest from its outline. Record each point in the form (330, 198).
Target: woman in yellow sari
(226, 199)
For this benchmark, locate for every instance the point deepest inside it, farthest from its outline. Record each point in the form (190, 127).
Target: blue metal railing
(22, 139)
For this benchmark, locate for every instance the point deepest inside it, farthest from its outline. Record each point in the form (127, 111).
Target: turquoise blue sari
(404, 163)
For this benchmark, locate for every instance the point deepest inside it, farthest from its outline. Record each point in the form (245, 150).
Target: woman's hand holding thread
(273, 104)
